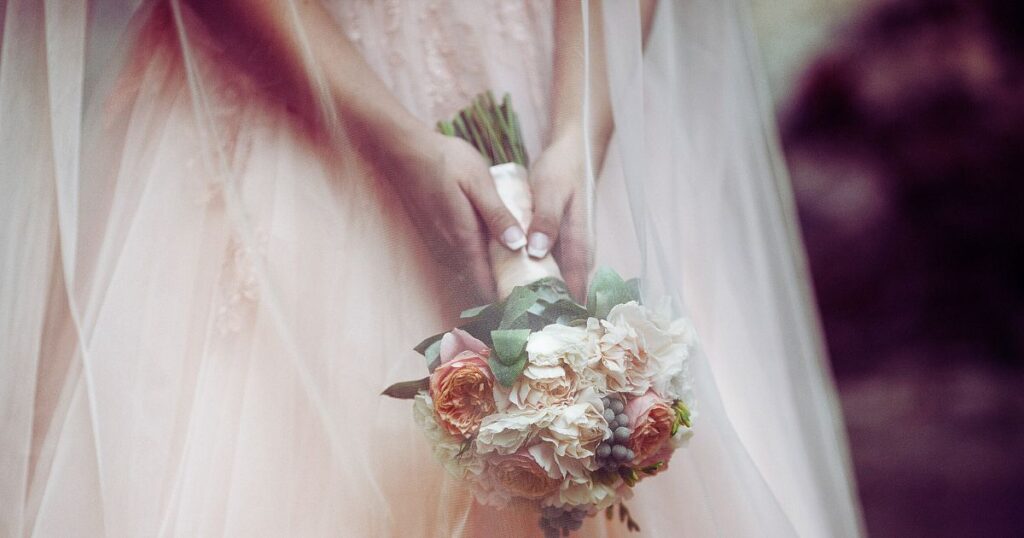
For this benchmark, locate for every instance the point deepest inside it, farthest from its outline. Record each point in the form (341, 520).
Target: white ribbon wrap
(516, 268)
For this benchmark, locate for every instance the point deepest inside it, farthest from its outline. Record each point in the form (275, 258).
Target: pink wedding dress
(205, 303)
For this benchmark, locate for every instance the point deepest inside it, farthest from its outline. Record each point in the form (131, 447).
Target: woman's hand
(443, 183)
(561, 199)
(447, 190)
(561, 204)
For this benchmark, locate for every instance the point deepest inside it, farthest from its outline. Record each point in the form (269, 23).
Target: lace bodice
(436, 55)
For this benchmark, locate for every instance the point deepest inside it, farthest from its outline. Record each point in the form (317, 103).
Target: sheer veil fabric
(200, 302)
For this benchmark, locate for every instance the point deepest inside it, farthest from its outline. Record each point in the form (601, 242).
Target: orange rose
(462, 386)
(522, 477)
(650, 419)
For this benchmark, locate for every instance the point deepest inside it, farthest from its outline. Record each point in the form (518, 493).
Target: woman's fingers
(470, 248)
(499, 222)
(574, 253)
(549, 203)
(479, 269)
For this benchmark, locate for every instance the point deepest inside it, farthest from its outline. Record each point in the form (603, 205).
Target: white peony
(447, 448)
(558, 344)
(642, 349)
(567, 444)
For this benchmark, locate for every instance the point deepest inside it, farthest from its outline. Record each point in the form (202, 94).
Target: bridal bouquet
(539, 399)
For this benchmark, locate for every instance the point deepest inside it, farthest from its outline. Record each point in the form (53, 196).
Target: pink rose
(659, 458)
(462, 385)
(650, 419)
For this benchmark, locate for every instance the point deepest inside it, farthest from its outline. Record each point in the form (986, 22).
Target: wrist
(566, 134)
(403, 152)
(387, 135)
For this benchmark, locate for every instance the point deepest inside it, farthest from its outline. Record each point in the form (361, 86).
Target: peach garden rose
(650, 419)
(462, 386)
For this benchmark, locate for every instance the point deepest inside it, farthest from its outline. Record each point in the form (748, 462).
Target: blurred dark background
(903, 125)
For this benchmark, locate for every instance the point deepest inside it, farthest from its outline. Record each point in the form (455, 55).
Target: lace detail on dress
(435, 55)
(519, 24)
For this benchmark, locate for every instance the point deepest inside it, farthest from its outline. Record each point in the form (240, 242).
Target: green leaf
(633, 285)
(506, 374)
(433, 356)
(407, 390)
(629, 476)
(550, 289)
(510, 355)
(482, 319)
(682, 413)
(607, 290)
(563, 311)
(682, 417)
(516, 306)
(475, 311)
(536, 322)
(652, 469)
(421, 348)
(509, 344)
(481, 327)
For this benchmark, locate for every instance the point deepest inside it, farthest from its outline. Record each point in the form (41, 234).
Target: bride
(226, 224)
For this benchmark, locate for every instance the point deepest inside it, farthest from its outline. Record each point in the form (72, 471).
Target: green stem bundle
(491, 128)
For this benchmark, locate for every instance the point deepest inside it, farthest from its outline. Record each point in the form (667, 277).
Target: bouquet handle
(516, 268)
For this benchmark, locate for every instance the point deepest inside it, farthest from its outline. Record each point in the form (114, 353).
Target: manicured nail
(514, 238)
(539, 244)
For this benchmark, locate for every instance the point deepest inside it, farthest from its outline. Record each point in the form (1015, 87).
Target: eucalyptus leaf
(521, 322)
(633, 285)
(550, 289)
(607, 290)
(510, 344)
(516, 306)
(506, 374)
(481, 327)
(536, 322)
(407, 390)
(563, 311)
(433, 355)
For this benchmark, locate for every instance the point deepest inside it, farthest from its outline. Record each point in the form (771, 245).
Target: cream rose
(570, 439)
(574, 348)
(543, 386)
(462, 386)
(559, 364)
(505, 433)
(650, 419)
(641, 349)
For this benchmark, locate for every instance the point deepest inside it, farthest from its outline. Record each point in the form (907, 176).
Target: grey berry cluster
(555, 521)
(614, 451)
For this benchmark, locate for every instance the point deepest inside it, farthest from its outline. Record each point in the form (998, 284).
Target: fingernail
(539, 243)
(514, 238)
